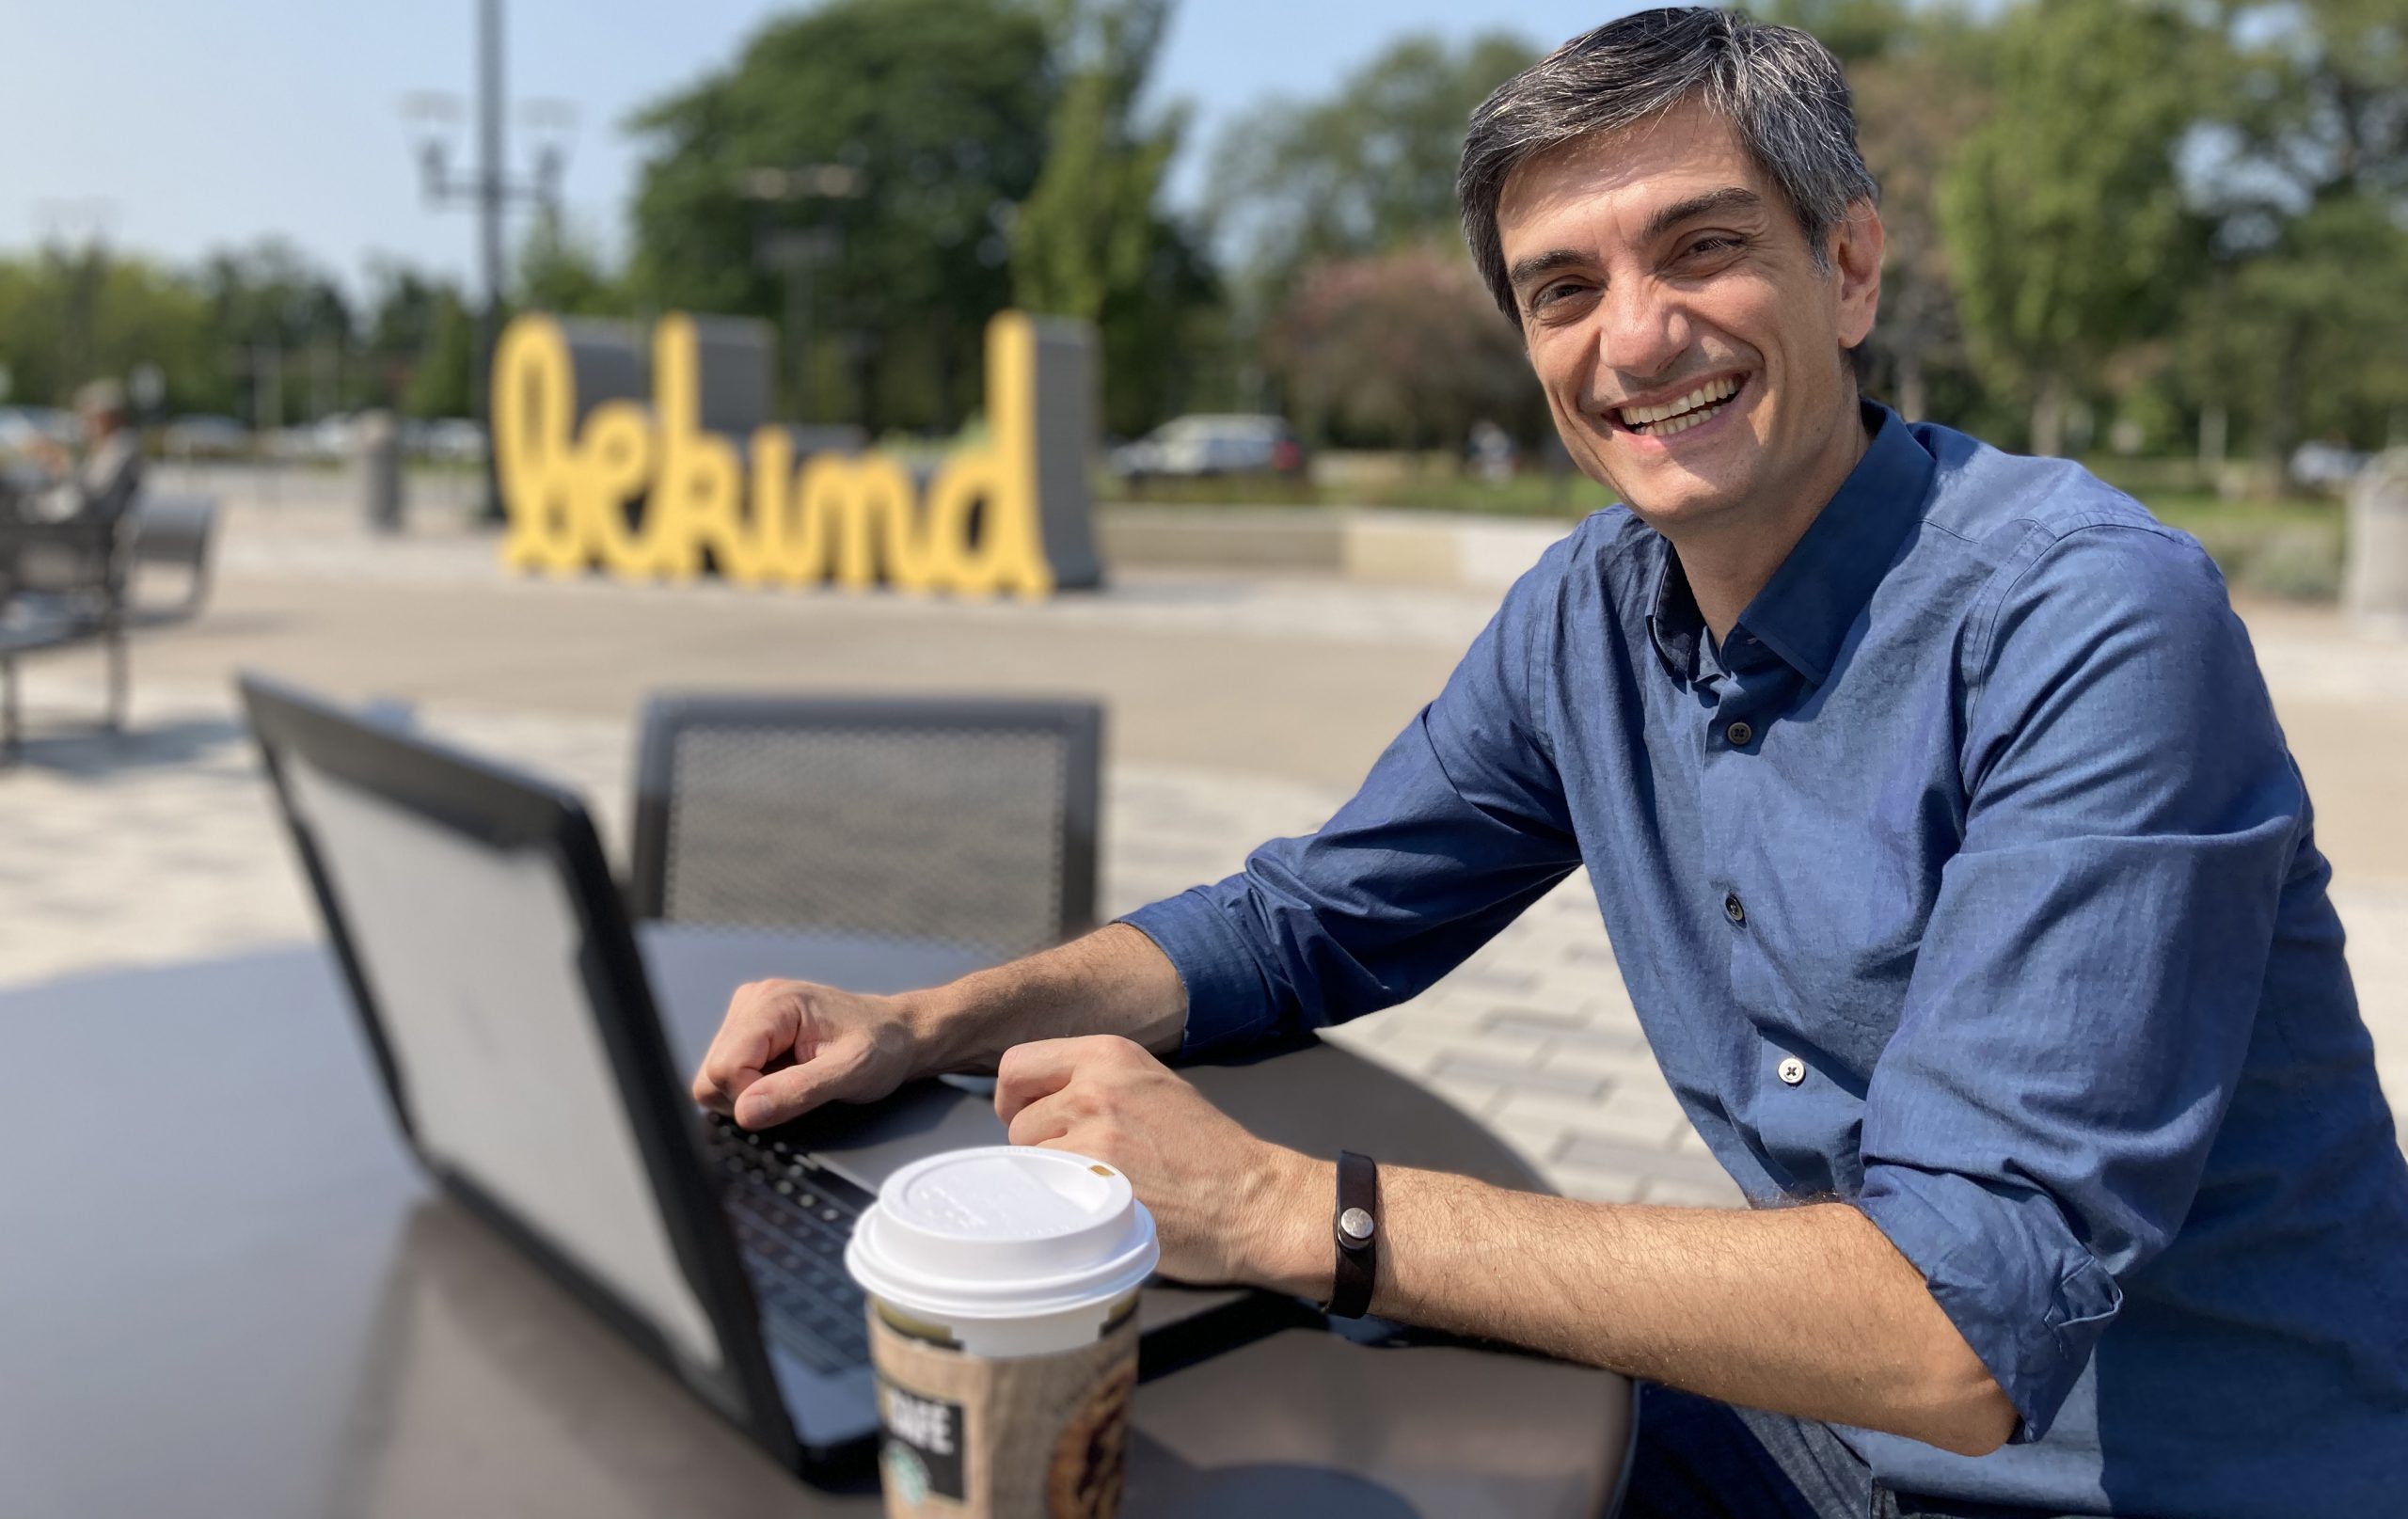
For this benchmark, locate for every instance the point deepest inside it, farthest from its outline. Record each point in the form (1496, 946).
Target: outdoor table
(226, 1288)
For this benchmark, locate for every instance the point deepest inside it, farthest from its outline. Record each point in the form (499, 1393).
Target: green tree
(2063, 213)
(1089, 227)
(441, 379)
(562, 271)
(283, 328)
(933, 114)
(69, 316)
(1917, 95)
(2303, 330)
(1092, 240)
(1368, 169)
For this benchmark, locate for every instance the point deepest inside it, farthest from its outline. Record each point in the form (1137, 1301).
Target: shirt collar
(1804, 612)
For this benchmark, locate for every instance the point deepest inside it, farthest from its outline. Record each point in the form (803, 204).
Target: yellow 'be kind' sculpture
(569, 478)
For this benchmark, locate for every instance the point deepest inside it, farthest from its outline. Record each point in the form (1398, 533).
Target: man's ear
(1855, 250)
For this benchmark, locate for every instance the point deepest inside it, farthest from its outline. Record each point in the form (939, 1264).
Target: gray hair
(1779, 87)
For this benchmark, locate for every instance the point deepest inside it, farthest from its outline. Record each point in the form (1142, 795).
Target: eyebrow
(1732, 198)
(1540, 263)
(1729, 198)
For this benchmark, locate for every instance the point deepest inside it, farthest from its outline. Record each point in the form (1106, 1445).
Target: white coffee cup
(1013, 1250)
(1002, 1287)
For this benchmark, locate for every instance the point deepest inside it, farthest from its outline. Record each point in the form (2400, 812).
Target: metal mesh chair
(968, 822)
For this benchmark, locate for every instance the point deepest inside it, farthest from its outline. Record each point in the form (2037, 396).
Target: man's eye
(1716, 244)
(1552, 293)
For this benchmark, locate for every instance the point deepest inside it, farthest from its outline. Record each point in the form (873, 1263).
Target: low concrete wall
(1222, 537)
(1386, 547)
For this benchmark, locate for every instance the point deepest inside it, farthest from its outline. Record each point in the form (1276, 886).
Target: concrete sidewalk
(1240, 708)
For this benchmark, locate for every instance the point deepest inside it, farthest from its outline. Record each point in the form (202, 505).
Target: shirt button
(1793, 1070)
(1738, 733)
(1733, 911)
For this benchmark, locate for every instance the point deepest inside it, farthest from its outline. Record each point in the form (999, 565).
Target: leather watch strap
(1356, 1230)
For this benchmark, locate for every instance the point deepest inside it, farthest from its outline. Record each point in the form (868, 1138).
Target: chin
(1679, 497)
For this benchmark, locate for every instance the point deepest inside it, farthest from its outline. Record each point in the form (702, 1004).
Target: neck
(1730, 558)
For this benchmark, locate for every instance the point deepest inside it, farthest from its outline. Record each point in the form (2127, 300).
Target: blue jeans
(1698, 1459)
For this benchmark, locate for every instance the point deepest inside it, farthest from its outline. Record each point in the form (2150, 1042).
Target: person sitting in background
(100, 485)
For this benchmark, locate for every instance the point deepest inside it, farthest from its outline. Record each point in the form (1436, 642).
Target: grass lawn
(2274, 549)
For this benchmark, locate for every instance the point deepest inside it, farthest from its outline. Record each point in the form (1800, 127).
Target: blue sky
(175, 127)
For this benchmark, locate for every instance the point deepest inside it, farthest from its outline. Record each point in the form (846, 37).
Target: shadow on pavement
(91, 752)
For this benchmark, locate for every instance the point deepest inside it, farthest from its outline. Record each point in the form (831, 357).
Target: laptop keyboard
(792, 1220)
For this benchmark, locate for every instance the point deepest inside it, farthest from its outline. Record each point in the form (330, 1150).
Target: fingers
(761, 1024)
(1045, 1121)
(1043, 1067)
(1031, 1072)
(828, 1076)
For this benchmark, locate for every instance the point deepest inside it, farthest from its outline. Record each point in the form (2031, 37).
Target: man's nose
(1643, 331)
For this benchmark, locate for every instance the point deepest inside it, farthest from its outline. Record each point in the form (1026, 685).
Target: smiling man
(1949, 848)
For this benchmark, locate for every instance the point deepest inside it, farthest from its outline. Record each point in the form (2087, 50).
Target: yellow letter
(534, 395)
(698, 500)
(1010, 554)
(613, 466)
(772, 466)
(863, 503)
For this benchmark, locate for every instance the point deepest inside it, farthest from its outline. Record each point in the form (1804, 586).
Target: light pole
(489, 191)
(795, 252)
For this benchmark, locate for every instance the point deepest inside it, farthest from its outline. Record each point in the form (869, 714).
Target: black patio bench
(64, 584)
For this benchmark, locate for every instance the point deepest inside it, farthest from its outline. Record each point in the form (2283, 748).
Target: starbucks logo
(906, 1475)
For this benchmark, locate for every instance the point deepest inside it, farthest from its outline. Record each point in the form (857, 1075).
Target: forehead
(1607, 183)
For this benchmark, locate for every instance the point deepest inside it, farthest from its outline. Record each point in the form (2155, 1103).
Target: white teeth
(1645, 417)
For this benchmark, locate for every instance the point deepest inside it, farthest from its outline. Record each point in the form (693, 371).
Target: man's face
(1689, 346)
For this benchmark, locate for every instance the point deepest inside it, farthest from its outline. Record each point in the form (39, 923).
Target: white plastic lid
(1002, 1232)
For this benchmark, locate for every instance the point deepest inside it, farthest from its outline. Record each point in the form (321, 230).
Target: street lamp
(488, 189)
(795, 252)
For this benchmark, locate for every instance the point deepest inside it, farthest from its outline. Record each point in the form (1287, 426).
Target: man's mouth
(1679, 414)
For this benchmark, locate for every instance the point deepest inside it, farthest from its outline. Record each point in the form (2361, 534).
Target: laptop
(506, 1003)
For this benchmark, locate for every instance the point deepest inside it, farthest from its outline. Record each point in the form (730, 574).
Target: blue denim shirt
(1980, 813)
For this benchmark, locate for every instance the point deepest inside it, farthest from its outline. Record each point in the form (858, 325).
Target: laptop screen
(471, 955)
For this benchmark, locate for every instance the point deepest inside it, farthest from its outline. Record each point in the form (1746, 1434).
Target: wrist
(937, 1023)
(1286, 1200)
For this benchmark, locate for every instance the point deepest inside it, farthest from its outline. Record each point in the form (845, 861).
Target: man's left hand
(1229, 1206)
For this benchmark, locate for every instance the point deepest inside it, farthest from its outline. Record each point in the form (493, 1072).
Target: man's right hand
(787, 1047)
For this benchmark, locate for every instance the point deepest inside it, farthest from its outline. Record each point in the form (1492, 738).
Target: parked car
(2326, 465)
(23, 428)
(454, 440)
(205, 437)
(1194, 446)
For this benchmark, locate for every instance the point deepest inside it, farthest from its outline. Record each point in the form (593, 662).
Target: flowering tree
(1403, 348)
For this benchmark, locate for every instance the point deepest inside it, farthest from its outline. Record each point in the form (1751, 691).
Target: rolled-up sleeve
(1460, 825)
(2090, 977)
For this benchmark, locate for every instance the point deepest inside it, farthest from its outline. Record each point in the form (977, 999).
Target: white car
(455, 440)
(205, 437)
(21, 428)
(2326, 465)
(1232, 444)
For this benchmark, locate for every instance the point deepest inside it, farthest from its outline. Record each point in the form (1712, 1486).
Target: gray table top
(228, 1290)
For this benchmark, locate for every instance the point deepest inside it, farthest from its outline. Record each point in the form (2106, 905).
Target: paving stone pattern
(160, 846)
(175, 856)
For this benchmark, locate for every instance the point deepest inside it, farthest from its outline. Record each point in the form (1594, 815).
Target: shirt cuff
(1229, 1005)
(2008, 1273)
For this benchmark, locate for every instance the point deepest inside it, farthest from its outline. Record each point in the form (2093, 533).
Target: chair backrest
(81, 559)
(176, 531)
(961, 821)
